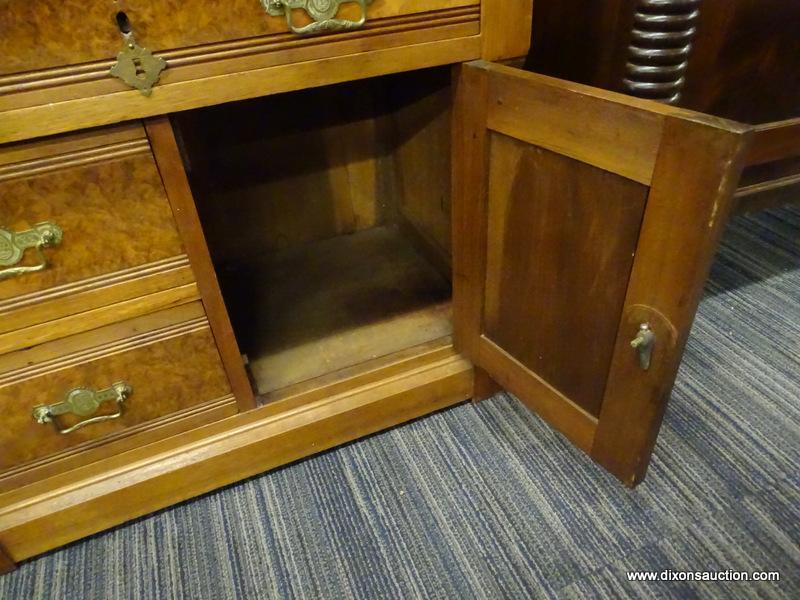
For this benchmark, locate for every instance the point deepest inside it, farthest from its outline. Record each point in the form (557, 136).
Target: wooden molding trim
(767, 186)
(6, 564)
(78, 158)
(146, 479)
(102, 335)
(71, 142)
(90, 319)
(178, 59)
(78, 111)
(89, 354)
(131, 437)
(774, 141)
(768, 194)
(368, 373)
(95, 283)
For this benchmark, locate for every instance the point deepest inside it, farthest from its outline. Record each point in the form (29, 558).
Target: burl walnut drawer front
(84, 222)
(149, 377)
(181, 53)
(47, 34)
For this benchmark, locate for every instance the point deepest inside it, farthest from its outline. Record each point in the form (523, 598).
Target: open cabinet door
(583, 220)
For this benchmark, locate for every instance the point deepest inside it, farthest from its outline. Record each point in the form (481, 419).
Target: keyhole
(123, 22)
(140, 73)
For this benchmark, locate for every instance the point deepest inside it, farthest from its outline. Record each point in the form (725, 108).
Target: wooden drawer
(169, 360)
(34, 32)
(103, 191)
(63, 51)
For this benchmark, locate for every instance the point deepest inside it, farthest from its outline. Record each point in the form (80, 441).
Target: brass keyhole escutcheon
(140, 72)
(136, 65)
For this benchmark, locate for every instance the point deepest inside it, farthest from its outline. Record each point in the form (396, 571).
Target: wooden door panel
(563, 234)
(580, 216)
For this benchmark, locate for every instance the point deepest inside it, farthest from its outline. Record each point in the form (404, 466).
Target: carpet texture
(487, 502)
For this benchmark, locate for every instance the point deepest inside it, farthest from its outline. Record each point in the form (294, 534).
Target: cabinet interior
(327, 215)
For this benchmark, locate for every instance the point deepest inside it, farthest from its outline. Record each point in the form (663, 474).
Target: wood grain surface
(146, 479)
(421, 123)
(323, 173)
(505, 28)
(114, 215)
(688, 207)
(171, 168)
(607, 257)
(321, 307)
(561, 239)
(6, 564)
(50, 33)
(170, 369)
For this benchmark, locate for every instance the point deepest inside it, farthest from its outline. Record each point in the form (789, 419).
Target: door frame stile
(690, 201)
(470, 189)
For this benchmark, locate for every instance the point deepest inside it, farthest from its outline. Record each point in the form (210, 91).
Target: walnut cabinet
(293, 241)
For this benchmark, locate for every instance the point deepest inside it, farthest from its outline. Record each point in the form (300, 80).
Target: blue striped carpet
(488, 502)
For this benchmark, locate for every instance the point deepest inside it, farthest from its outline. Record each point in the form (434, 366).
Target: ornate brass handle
(83, 402)
(322, 11)
(14, 244)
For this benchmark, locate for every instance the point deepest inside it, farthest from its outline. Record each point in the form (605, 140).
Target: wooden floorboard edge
(56, 517)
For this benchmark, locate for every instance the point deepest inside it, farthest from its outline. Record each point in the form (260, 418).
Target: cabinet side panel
(421, 161)
(505, 28)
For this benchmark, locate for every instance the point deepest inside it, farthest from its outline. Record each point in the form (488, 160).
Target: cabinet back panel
(284, 170)
(281, 171)
(564, 234)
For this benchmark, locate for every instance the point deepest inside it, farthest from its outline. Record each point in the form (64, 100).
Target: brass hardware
(13, 246)
(643, 342)
(135, 65)
(322, 11)
(83, 402)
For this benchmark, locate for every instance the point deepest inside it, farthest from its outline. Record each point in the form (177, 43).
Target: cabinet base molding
(6, 564)
(109, 492)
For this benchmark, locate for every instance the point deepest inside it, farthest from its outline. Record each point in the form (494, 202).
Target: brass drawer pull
(14, 244)
(83, 402)
(322, 11)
